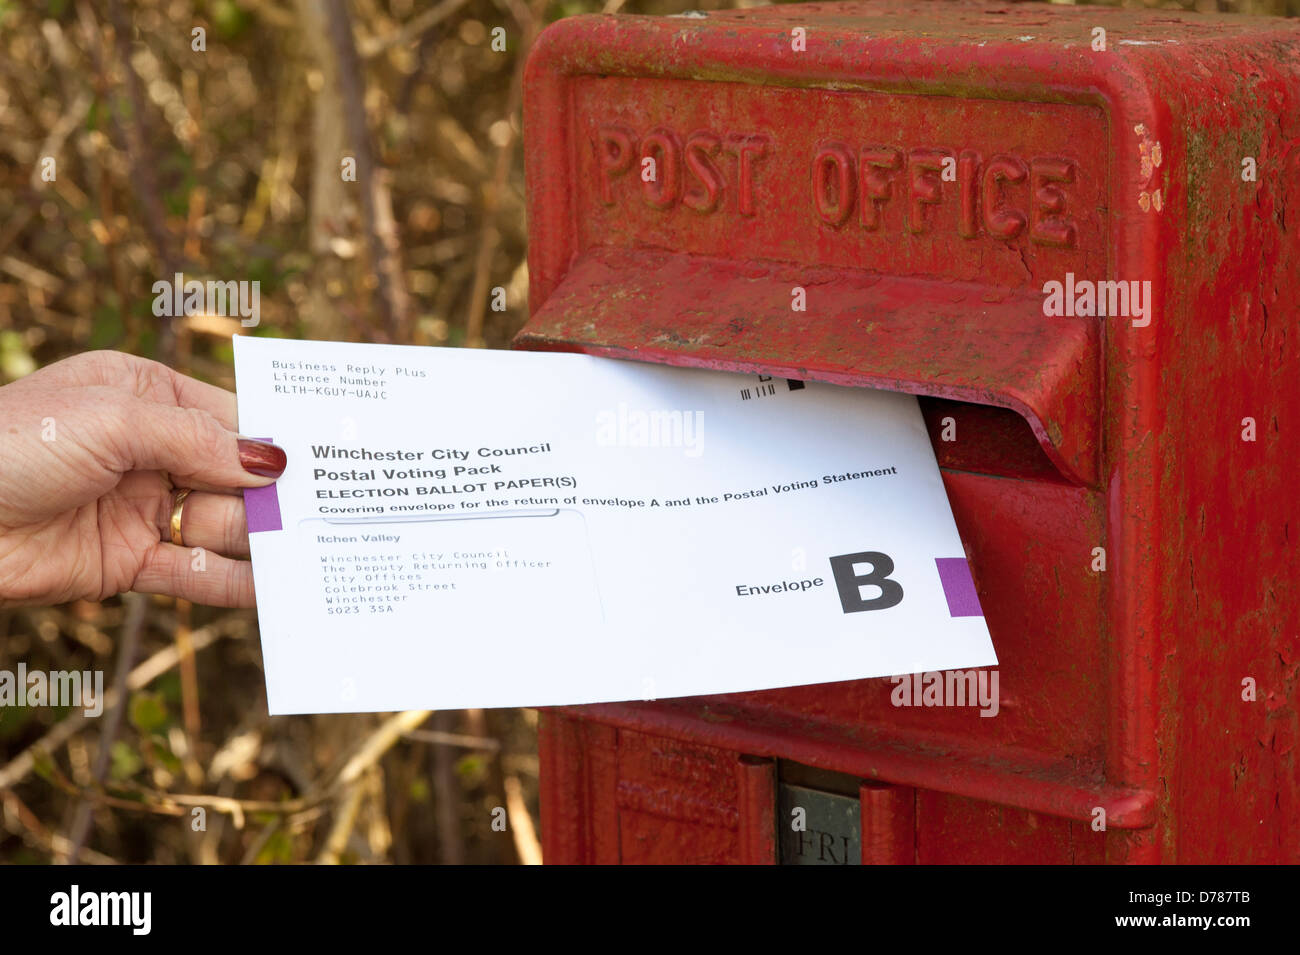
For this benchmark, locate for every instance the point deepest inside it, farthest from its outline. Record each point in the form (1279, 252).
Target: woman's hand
(87, 446)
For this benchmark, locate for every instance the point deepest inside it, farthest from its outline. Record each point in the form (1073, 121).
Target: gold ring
(178, 505)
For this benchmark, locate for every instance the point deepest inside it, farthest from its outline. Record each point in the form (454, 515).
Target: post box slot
(985, 439)
(961, 342)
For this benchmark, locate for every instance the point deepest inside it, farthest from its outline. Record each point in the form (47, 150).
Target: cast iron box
(1075, 233)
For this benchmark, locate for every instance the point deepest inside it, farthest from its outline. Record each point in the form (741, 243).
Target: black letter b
(850, 584)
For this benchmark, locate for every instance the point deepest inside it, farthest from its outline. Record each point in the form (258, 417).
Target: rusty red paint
(823, 170)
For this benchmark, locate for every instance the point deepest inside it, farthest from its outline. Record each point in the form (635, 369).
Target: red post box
(1075, 233)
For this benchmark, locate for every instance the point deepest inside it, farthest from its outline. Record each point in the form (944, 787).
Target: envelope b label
(854, 586)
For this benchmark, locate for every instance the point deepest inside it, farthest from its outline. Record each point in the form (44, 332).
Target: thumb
(192, 445)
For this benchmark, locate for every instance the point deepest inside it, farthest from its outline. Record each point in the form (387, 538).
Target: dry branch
(128, 643)
(21, 765)
(490, 236)
(381, 234)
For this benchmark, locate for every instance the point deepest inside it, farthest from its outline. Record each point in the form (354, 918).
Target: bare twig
(364, 757)
(381, 232)
(135, 141)
(128, 643)
(447, 797)
(459, 740)
(479, 722)
(490, 236)
(345, 819)
(30, 274)
(21, 765)
(328, 196)
(263, 839)
(23, 823)
(412, 29)
(59, 134)
(189, 672)
(521, 823)
(95, 794)
(379, 834)
(379, 742)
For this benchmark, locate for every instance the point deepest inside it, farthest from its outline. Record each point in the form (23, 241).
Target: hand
(86, 448)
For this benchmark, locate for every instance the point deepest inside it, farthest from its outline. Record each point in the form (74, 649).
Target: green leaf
(163, 754)
(126, 762)
(471, 768)
(168, 686)
(279, 848)
(15, 360)
(148, 712)
(43, 765)
(229, 18)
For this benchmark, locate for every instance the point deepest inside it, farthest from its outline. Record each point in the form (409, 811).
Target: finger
(150, 488)
(203, 578)
(215, 522)
(148, 379)
(167, 386)
(192, 446)
(194, 485)
(191, 393)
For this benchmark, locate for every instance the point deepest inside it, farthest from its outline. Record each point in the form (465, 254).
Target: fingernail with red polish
(262, 458)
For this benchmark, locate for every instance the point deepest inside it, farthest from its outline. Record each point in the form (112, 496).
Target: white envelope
(464, 528)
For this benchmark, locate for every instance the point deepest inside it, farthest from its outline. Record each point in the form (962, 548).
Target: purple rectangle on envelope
(958, 587)
(262, 505)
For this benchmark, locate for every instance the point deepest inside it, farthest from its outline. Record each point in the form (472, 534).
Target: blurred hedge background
(223, 163)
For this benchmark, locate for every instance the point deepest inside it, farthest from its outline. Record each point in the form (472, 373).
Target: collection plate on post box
(818, 828)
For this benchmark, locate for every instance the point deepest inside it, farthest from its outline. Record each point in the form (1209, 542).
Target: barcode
(763, 389)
